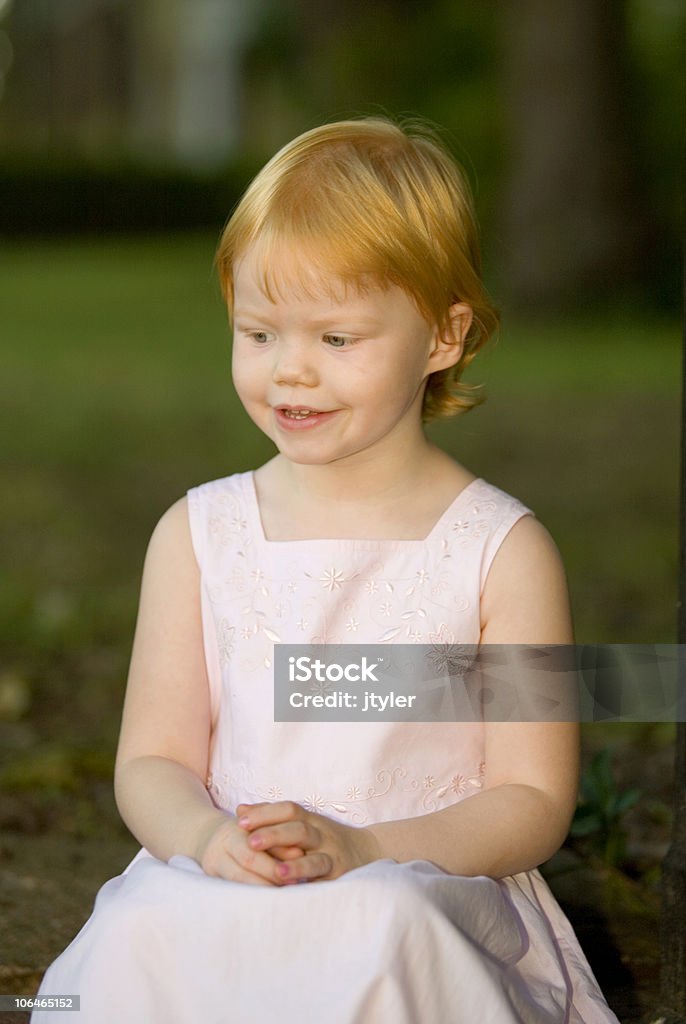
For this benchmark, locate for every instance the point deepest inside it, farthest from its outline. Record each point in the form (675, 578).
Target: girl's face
(332, 374)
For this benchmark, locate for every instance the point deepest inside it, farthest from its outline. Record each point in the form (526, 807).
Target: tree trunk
(673, 926)
(570, 224)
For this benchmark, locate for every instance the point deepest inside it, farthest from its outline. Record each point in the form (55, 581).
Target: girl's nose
(294, 364)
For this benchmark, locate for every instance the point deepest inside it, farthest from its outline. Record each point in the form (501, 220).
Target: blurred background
(128, 129)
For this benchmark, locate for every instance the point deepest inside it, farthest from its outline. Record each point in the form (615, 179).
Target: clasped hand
(281, 843)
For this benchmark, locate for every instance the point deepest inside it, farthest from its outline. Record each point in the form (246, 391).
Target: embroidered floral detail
(386, 608)
(247, 633)
(228, 791)
(389, 634)
(444, 635)
(458, 784)
(414, 635)
(447, 657)
(320, 686)
(484, 508)
(352, 625)
(422, 576)
(461, 525)
(302, 624)
(292, 587)
(371, 586)
(225, 636)
(331, 579)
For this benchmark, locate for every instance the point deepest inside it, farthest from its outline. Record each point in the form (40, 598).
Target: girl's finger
(292, 833)
(305, 869)
(286, 852)
(258, 862)
(252, 816)
(231, 871)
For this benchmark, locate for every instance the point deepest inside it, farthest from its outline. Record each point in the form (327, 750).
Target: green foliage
(598, 818)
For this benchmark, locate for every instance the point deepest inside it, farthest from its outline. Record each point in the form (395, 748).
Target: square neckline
(250, 493)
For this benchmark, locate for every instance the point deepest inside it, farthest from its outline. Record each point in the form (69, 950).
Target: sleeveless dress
(387, 943)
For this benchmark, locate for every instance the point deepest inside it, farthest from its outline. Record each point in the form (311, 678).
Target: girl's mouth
(300, 417)
(298, 414)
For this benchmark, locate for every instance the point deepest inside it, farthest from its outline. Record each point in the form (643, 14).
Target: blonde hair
(370, 201)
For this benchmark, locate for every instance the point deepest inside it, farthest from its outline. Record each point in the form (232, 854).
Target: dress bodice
(257, 593)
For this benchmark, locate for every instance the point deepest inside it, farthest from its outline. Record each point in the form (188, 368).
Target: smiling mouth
(298, 414)
(301, 417)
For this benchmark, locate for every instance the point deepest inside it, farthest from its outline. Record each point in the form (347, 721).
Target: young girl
(351, 272)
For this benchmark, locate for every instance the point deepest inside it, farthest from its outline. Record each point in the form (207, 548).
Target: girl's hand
(329, 848)
(227, 853)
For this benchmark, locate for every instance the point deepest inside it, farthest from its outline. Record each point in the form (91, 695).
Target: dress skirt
(387, 943)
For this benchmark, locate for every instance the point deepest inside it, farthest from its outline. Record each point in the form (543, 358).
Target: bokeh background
(128, 129)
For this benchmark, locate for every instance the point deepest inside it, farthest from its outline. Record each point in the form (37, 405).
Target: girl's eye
(338, 340)
(260, 337)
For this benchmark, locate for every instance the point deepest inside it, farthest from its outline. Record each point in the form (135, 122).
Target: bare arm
(163, 746)
(163, 751)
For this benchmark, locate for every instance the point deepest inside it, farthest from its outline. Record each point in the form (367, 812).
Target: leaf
(389, 634)
(627, 800)
(586, 822)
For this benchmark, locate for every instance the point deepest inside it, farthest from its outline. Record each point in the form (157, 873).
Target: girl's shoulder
(524, 597)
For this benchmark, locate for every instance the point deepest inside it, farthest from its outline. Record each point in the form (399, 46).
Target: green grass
(116, 397)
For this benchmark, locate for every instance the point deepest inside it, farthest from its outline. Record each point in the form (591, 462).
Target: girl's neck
(365, 501)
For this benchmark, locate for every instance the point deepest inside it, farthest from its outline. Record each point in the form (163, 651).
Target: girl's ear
(448, 344)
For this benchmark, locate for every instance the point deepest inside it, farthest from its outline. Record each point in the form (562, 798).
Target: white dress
(387, 943)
